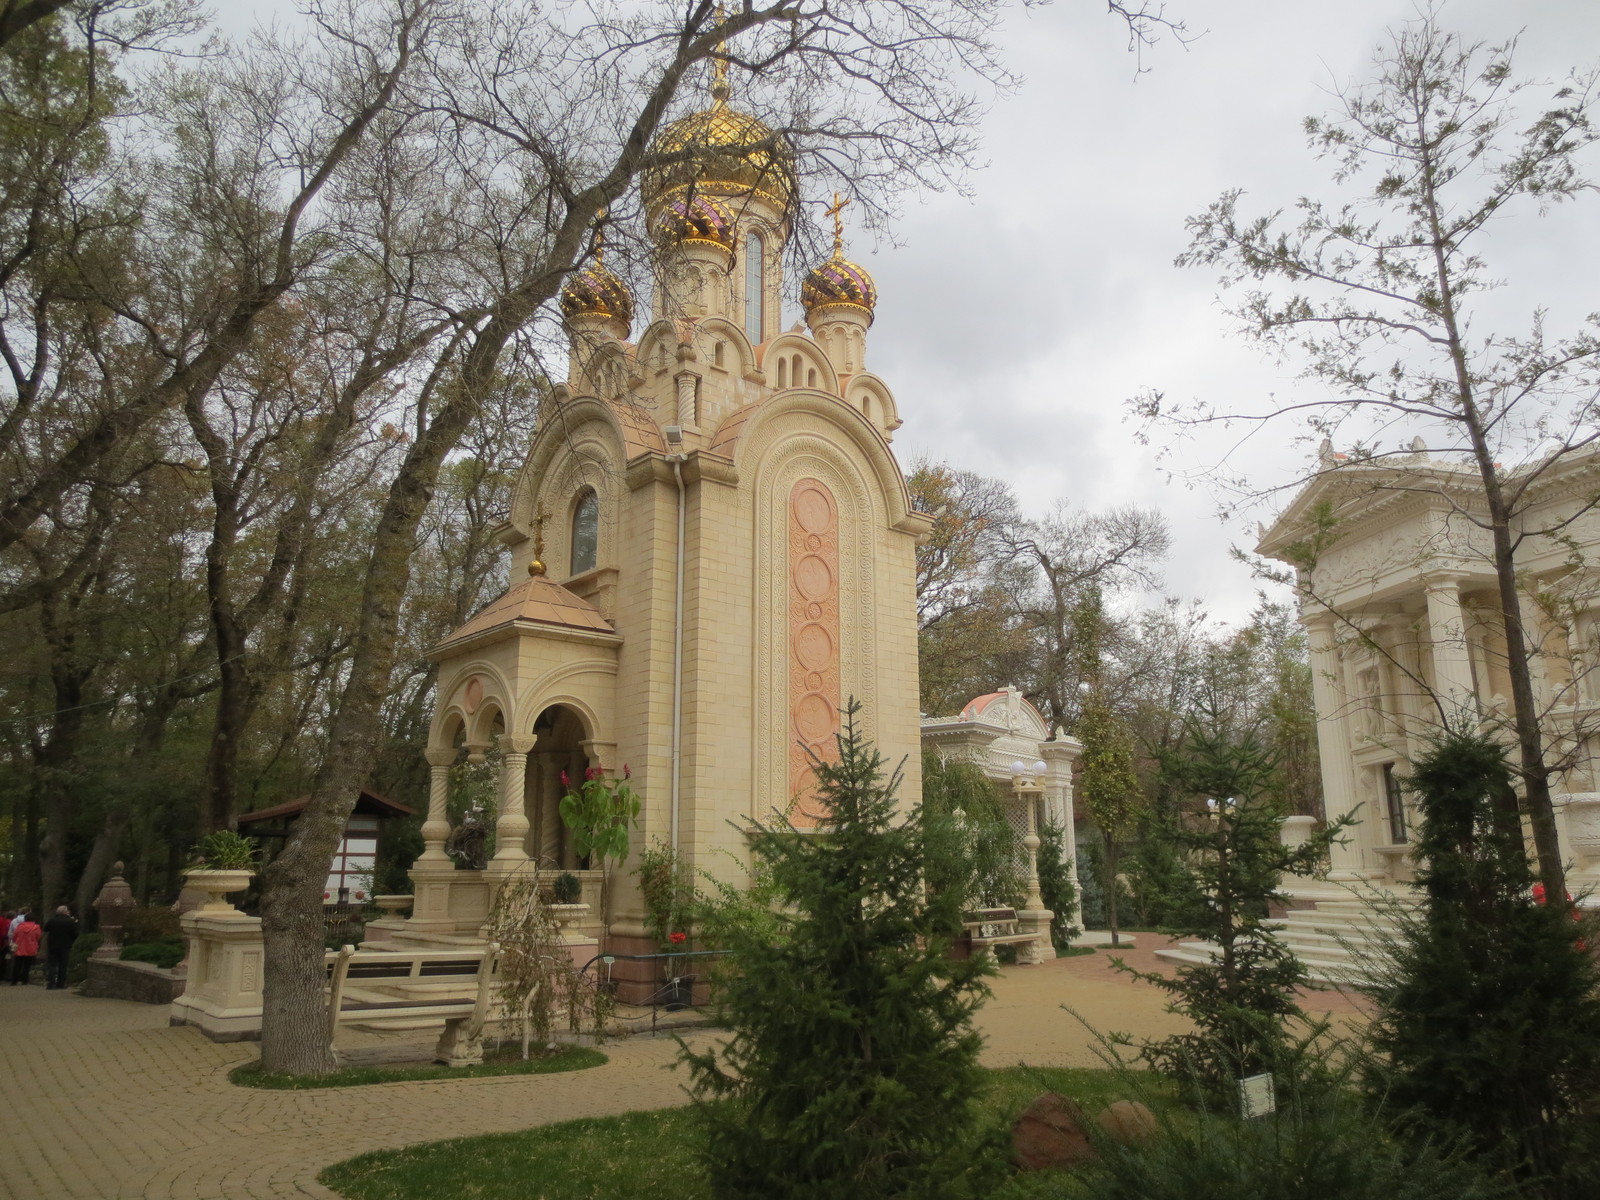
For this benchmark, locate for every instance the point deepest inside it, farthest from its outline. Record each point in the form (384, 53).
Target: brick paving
(101, 1100)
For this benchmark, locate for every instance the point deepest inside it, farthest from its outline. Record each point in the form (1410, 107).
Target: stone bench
(991, 927)
(461, 1043)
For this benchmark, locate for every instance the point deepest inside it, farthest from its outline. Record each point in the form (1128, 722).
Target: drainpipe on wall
(674, 435)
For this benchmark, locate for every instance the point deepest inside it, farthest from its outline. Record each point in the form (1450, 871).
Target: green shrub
(78, 960)
(149, 924)
(227, 850)
(167, 953)
(1326, 1149)
(1489, 1021)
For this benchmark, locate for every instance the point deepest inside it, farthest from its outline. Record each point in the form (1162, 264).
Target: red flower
(626, 774)
(677, 939)
(565, 782)
(594, 772)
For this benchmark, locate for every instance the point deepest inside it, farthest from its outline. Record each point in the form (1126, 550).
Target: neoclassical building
(712, 548)
(1399, 597)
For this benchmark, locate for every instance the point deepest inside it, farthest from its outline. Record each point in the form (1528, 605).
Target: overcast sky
(1014, 324)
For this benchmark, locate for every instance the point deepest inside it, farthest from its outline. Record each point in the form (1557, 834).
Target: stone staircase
(1334, 939)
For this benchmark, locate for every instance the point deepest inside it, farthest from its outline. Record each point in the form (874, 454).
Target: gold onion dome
(720, 151)
(838, 281)
(596, 292)
(692, 217)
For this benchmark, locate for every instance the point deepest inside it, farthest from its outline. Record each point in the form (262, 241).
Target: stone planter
(393, 906)
(566, 914)
(218, 885)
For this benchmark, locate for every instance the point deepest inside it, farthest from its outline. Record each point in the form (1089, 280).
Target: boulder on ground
(1051, 1132)
(1128, 1121)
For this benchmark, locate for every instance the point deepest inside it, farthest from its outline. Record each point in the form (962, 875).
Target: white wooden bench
(991, 927)
(461, 1043)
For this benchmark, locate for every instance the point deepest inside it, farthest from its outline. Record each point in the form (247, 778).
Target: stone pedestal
(223, 993)
(1035, 921)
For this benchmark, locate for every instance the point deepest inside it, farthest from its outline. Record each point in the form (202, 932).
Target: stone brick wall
(140, 982)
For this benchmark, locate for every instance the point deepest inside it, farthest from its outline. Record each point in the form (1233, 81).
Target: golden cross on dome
(720, 89)
(833, 210)
(536, 566)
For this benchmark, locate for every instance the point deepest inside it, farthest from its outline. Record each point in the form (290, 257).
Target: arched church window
(755, 291)
(716, 354)
(585, 533)
(811, 377)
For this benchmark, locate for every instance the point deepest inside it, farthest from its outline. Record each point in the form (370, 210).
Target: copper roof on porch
(538, 599)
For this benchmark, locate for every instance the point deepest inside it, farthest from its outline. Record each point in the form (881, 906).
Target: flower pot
(218, 885)
(393, 906)
(566, 914)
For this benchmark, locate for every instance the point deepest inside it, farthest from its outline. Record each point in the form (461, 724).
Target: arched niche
(793, 361)
(872, 397)
(563, 735)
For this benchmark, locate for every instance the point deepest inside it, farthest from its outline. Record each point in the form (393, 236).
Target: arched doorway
(559, 735)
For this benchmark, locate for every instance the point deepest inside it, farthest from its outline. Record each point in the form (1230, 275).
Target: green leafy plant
(668, 891)
(851, 1066)
(227, 850)
(600, 812)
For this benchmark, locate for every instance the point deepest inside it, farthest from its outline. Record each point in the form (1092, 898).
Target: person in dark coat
(62, 931)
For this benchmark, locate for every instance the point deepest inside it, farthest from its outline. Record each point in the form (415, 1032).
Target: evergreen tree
(1055, 886)
(852, 1064)
(1489, 1018)
(1243, 1003)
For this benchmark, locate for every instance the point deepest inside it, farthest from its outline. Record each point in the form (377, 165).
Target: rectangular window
(1396, 804)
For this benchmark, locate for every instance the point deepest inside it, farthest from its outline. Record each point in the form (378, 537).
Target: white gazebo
(1007, 737)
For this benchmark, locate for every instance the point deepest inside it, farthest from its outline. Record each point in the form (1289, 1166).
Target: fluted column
(511, 826)
(1447, 631)
(436, 829)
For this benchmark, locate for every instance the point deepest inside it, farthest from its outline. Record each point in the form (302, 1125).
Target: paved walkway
(100, 1099)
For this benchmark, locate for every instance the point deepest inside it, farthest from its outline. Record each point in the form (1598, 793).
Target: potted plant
(566, 894)
(224, 862)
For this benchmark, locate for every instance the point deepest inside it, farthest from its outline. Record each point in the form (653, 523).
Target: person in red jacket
(25, 934)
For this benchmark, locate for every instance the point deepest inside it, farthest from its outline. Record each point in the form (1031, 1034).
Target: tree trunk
(1111, 886)
(101, 855)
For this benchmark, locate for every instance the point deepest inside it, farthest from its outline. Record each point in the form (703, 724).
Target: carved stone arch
(785, 347)
(780, 456)
(738, 358)
(609, 368)
(799, 409)
(872, 397)
(657, 352)
(448, 728)
(482, 730)
(469, 689)
(583, 439)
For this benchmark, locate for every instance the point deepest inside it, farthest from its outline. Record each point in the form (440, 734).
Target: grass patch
(651, 1153)
(1074, 951)
(507, 1061)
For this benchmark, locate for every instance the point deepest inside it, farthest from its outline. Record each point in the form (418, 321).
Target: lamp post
(1035, 918)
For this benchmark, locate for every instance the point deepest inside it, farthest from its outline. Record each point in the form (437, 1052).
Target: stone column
(550, 793)
(511, 826)
(1334, 747)
(1447, 632)
(436, 829)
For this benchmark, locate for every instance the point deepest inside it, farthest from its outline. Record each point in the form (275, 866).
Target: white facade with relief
(1399, 596)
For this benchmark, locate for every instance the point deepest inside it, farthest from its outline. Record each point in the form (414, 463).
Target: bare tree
(1380, 297)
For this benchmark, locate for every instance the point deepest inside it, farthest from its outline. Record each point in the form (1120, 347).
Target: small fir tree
(852, 1062)
(1488, 1026)
(1248, 1020)
(1055, 886)
(971, 848)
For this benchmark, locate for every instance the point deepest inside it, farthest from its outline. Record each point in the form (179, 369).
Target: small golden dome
(693, 217)
(726, 152)
(596, 292)
(838, 281)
